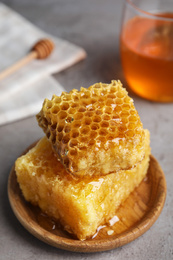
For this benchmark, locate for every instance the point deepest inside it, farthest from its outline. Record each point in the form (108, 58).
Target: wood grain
(136, 215)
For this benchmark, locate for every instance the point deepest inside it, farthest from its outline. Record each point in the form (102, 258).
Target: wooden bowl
(136, 215)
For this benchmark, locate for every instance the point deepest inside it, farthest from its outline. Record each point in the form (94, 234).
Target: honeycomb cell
(98, 112)
(73, 152)
(109, 101)
(48, 104)
(65, 97)
(66, 139)
(103, 132)
(57, 100)
(120, 95)
(83, 148)
(119, 101)
(53, 139)
(64, 106)
(93, 127)
(106, 117)
(60, 128)
(93, 100)
(72, 111)
(78, 116)
(132, 119)
(130, 133)
(112, 129)
(125, 114)
(60, 136)
(66, 161)
(87, 121)
(62, 115)
(53, 127)
(93, 134)
(124, 120)
(76, 124)
(48, 135)
(91, 143)
(96, 118)
(114, 122)
(108, 110)
(86, 102)
(82, 140)
(69, 119)
(112, 96)
(100, 140)
(74, 133)
(117, 110)
(89, 113)
(55, 109)
(125, 107)
(85, 130)
(73, 143)
(74, 97)
(131, 126)
(122, 128)
(74, 105)
(110, 137)
(104, 124)
(101, 104)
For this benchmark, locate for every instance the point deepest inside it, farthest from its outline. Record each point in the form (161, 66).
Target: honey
(81, 205)
(96, 135)
(147, 56)
(94, 131)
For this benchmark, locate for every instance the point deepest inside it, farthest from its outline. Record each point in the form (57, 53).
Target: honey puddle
(55, 227)
(111, 222)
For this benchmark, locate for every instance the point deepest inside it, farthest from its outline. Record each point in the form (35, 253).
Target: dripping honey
(147, 56)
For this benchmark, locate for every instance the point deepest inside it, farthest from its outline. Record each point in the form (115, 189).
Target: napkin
(22, 93)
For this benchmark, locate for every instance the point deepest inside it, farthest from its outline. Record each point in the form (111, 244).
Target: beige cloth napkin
(22, 93)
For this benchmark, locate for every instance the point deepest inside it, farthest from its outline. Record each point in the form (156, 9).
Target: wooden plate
(136, 215)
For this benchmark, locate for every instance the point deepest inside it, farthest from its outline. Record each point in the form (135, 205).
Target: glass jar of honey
(146, 45)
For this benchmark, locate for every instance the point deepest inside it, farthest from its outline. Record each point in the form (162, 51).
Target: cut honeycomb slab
(96, 129)
(81, 205)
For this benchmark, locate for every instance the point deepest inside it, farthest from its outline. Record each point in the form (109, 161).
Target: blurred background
(95, 26)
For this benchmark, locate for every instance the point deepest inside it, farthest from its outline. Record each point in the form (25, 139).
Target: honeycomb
(95, 130)
(81, 205)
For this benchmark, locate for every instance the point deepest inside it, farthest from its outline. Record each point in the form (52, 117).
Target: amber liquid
(147, 56)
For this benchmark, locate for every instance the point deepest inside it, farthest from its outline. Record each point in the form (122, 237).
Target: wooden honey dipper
(41, 50)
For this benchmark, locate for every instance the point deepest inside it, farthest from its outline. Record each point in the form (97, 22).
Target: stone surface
(94, 25)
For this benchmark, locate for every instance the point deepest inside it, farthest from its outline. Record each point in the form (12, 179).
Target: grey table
(94, 25)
